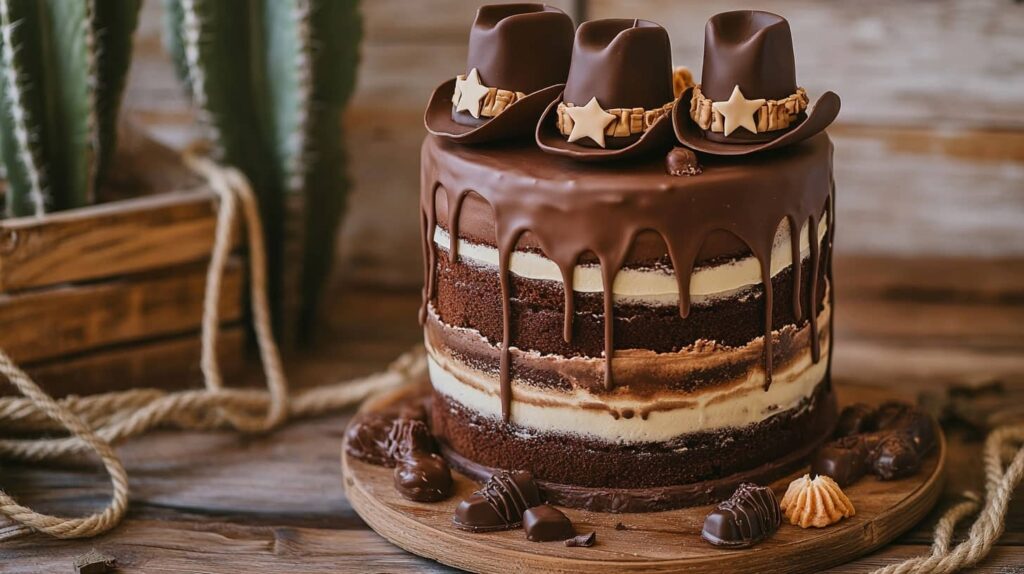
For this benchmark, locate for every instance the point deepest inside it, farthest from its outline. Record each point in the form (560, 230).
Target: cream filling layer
(651, 286)
(738, 404)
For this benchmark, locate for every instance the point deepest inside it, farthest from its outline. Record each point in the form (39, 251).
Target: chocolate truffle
(844, 460)
(856, 418)
(424, 478)
(499, 504)
(895, 456)
(919, 428)
(750, 515)
(545, 523)
(682, 161)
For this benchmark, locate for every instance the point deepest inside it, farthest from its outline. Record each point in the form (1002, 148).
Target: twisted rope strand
(1000, 483)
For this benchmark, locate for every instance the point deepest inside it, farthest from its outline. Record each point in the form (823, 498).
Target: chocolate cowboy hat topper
(518, 60)
(748, 99)
(618, 95)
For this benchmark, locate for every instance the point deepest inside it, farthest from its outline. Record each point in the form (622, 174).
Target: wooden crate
(110, 297)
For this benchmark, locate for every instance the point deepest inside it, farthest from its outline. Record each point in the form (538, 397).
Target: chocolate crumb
(94, 562)
(583, 540)
(620, 526)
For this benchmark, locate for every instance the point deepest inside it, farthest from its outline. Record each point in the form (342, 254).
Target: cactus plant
(62, 72)
(270, 78)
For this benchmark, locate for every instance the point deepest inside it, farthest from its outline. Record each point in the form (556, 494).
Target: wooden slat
(107, 240)
(169, 364)
(73, 319)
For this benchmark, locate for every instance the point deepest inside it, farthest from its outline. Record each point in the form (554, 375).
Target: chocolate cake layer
(581, 461)
(643, 372)
(469, 296)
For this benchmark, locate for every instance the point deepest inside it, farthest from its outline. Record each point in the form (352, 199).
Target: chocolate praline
(423, 478)
(499, 504)
(545, 523)
(844, 460)
(749, 516)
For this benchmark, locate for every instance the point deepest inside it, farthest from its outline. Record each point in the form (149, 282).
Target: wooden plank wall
(930, 142)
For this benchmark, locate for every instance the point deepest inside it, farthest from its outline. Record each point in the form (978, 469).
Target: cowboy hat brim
(552, 141)
(517, 120)
(819, 116)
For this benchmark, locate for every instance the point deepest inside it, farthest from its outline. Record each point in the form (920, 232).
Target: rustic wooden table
(929, 274)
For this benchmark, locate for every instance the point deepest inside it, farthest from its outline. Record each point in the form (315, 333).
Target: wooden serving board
(649, 542)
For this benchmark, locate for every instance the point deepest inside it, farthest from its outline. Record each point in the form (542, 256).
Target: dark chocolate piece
(499, 504)
(895, 456)
(620, 526)
(751, 515)
(545, 523)
(423, 478)
(845, 460)
(919, 427)
(682, 161)
(384, 440)
(855, 419)
(367, 439)
(408, 437)
(582, 541)
(890, 415)
(94, 562)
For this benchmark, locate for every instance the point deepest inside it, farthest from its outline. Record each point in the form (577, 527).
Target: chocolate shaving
(620, 526)
(582, 541)
(94, 562)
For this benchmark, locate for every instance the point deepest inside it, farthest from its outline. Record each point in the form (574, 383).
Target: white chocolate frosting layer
(652, 286)
(657, 418)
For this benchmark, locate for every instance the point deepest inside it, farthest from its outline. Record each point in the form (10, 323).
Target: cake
(639, 338)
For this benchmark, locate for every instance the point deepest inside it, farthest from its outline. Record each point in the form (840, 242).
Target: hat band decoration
(592, 121)
(724, 117)
(480, 100)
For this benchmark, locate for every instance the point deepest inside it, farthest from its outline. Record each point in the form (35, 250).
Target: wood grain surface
(639, 542)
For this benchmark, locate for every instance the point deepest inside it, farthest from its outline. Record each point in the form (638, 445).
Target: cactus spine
(64, 67)
(271, 78)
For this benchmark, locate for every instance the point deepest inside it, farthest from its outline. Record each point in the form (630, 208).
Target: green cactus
(62, 72)
(271, 78)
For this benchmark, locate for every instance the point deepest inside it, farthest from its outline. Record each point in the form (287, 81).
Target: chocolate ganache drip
(580, 209)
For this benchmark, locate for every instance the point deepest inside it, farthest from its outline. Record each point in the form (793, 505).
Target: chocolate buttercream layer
(694, 469)
(641, 373)
(469, 296)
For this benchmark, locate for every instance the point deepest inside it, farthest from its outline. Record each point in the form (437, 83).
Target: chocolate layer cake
(635, 339)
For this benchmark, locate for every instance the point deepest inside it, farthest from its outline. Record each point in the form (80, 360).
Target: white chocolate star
(738, 111)
(589, 121)
(472, 94)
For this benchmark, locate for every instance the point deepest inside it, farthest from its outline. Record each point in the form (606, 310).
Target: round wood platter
(649, 542)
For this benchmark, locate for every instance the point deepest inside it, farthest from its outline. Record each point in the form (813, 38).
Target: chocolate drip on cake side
(566, 223)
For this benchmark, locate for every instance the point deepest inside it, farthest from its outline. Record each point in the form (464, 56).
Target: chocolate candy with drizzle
(384, 440)
(750, 515)
(567, 210)
(499, 504)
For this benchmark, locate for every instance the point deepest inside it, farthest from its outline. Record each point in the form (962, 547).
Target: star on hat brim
(658, 137)
(517, 121)
(818, 117)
